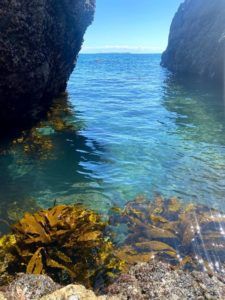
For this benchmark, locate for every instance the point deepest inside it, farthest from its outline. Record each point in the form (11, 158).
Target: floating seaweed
(189, 236)
(66, 242)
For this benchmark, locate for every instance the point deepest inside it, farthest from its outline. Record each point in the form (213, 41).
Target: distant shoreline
(116, 53)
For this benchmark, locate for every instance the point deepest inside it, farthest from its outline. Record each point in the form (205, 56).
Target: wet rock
(197, 40)
(73, 292)
(27, 287)
(2, 297)
(157, 280)
(39, 43)
(152, 280)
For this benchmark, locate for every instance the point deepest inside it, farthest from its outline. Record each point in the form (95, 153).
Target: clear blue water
(140, 131)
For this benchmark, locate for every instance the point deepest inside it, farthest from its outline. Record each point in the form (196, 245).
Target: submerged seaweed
(11, 212)
(71, 243)
(39, 140)
(65, 242)
(189, 236)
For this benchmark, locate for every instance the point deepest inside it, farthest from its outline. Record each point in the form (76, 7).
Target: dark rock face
(39, 43)
(197, 40)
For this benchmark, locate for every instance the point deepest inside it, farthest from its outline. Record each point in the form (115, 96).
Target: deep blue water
(140, 130)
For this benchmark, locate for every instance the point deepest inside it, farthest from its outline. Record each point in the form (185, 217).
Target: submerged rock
(39, 43)
(197, 40)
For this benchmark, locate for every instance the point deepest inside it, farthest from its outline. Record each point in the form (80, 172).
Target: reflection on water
(41, 166)
(199, 116)
(159, 133)
(127, 128)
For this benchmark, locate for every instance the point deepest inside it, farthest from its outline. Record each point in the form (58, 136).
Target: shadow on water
(44, 163)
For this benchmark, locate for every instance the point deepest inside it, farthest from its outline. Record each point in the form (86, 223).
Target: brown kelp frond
(66, 242)
(13, 211)
(190, 236)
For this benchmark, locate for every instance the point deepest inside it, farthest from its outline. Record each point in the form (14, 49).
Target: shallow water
(134, 129)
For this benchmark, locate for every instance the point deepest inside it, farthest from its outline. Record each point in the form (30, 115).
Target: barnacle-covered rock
(196, 41)
(29, 286)
(40, 41)
(157, 280)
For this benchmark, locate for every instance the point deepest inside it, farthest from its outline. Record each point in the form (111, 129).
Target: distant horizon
(130, 26)
(140, 53)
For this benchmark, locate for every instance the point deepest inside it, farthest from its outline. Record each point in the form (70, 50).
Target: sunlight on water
(129, 128)
(157, 134)
(125, 128)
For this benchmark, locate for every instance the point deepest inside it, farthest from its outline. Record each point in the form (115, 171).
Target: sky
(137, 26)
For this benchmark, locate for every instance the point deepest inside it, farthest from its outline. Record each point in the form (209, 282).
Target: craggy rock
(34, 287)
(156, 280)
(2, 297)
(152, 280)
(39, 43)
(197, 40)
(73, 292)
(27, 286)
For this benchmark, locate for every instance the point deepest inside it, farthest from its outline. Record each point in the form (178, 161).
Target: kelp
(71, 243)
(39, 140)
(13, 211)
(188, 236)
(66, 242)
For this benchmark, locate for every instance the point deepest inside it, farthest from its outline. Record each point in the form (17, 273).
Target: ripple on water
(128, 127)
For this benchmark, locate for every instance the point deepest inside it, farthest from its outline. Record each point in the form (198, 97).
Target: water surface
(133, 129)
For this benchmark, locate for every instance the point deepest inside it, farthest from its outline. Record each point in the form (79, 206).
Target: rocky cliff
(39, 43)
(197, 39)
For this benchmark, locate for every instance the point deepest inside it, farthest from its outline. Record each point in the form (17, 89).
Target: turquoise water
(139, 130)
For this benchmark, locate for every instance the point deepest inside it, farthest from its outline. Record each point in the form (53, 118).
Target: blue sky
(130, 26)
